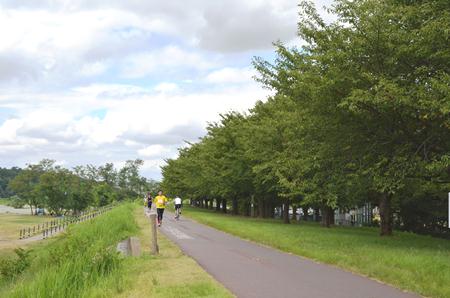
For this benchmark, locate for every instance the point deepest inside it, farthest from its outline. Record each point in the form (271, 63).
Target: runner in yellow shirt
(160, 202)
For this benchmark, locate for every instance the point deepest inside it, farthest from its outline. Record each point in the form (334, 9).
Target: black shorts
(177, 206)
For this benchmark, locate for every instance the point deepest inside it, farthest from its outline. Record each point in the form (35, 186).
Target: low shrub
(12, 267)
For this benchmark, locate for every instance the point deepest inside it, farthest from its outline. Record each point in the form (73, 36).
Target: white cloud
(8, 131)
(168, 59)
(149, 125)
(93, 69)
(96, 81)
(152, 151)
(223, 26)
(231, 75)
(166, 87)
(59, 47)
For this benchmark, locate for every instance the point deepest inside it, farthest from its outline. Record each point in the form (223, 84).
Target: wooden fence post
(154, 240)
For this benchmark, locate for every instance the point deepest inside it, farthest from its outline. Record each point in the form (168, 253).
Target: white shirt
(177, 201)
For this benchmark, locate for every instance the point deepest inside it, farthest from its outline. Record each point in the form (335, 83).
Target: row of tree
(360, 113)
(60, 190)
(7, 175)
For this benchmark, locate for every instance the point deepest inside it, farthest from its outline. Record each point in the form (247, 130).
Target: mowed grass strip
(171, 274)
(408, 261)
(10, 227)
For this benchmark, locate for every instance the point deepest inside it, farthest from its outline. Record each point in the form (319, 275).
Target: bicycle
(177, 212)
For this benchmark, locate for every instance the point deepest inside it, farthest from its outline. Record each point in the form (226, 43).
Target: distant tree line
(7, 175)
(360, 113)
(60, 190)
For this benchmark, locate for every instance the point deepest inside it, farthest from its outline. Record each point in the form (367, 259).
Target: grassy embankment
(412, 262)
(82, 262)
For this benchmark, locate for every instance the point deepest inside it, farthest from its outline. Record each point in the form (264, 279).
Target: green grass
(12, 223)
(9, 230)
(73, 265)
(170, 274)
(82, 262)
(408, 261)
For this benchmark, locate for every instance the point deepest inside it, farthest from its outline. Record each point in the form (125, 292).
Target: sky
(96, 81)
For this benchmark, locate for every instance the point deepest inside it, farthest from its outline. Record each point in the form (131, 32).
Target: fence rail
(49, 228)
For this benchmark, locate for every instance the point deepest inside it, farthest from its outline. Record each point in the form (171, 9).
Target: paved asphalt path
(251, 270)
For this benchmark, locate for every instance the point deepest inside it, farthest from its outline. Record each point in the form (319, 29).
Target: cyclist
(177, 203)
(160, 202)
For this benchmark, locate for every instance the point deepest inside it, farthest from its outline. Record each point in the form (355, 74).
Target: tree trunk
(331, 217)
(286, 212)
(261, 208)
(267, 213)
(324, 217)
(385, 215)
(305, 213)
(217, 205)
(248, 208)
(271, 209)
(327, 216)
(316, 214)
(224, 206)
(235, 206)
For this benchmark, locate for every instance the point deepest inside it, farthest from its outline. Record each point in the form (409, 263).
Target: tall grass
(75, 264)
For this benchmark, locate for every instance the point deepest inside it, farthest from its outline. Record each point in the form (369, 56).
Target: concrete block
(130, 247)
(135, 246)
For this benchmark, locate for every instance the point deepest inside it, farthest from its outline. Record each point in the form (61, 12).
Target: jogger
(160, 202)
